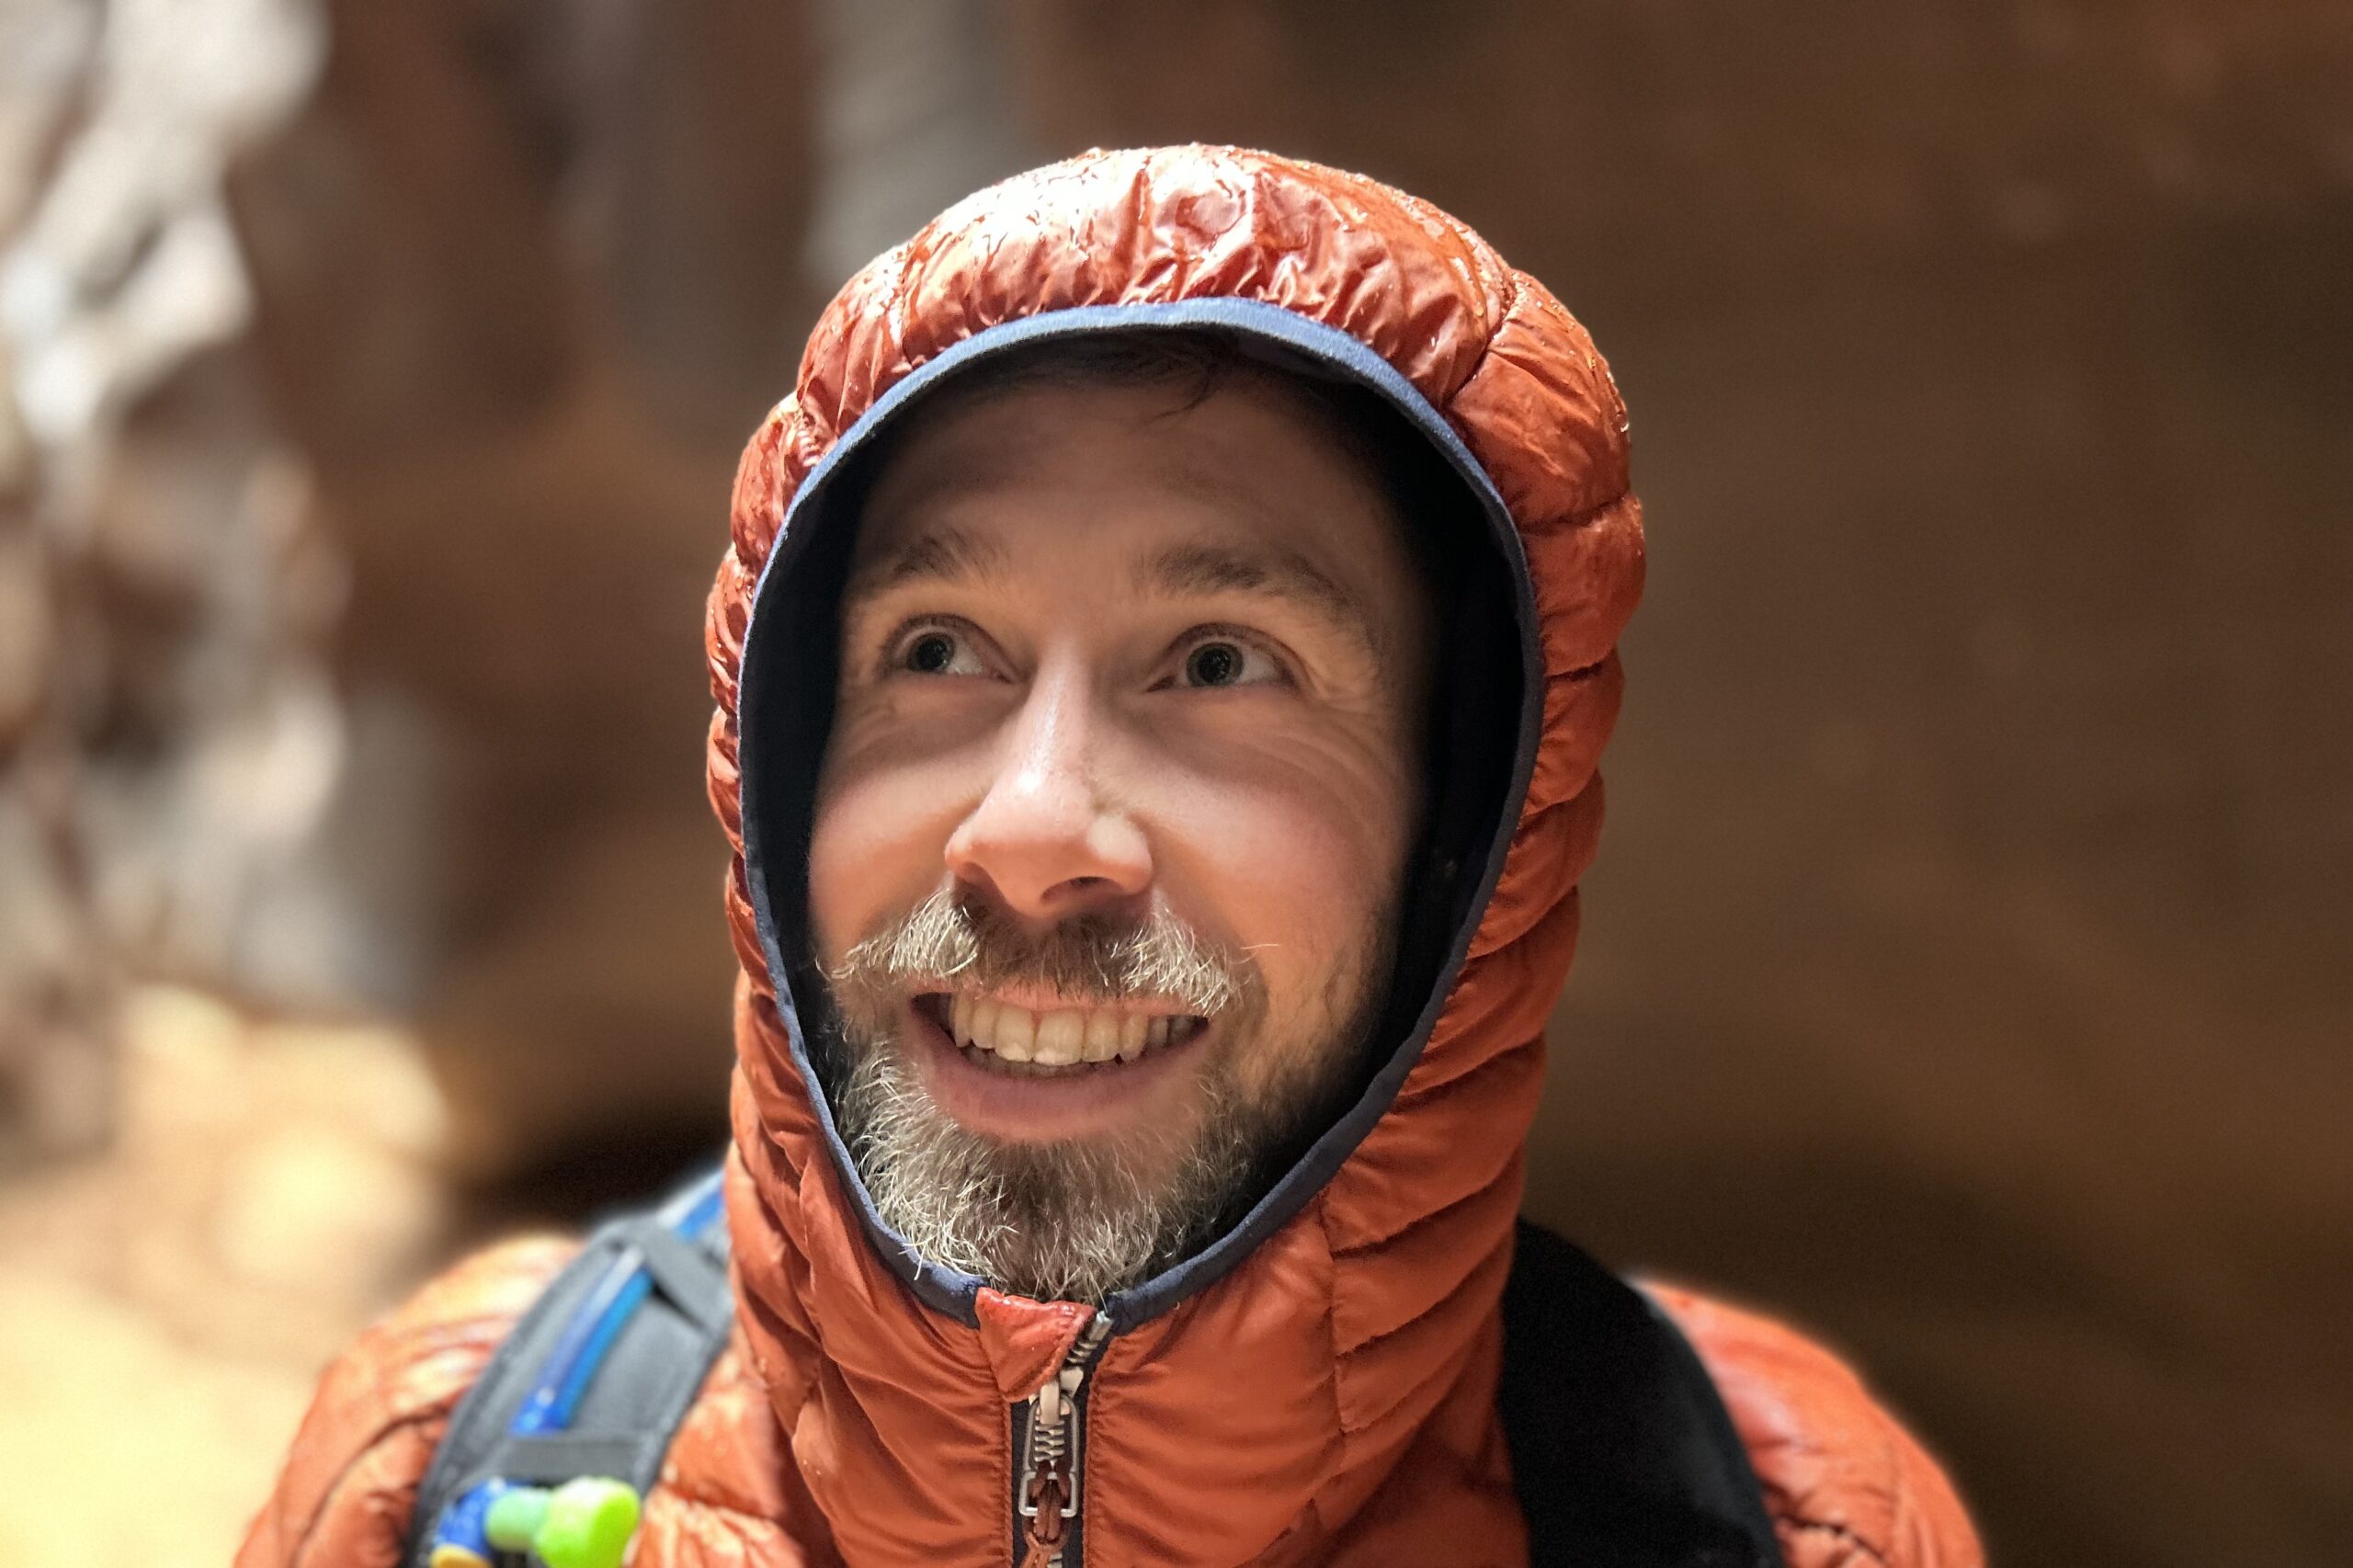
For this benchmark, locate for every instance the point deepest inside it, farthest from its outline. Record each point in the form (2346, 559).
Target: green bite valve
(582, 1524)
(515, 1517)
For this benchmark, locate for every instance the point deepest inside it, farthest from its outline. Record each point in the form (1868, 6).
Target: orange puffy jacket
(1322, 1385)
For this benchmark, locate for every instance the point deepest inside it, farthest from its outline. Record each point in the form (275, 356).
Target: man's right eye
(937, 650)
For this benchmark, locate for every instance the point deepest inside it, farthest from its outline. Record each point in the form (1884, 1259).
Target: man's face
(1112, 819)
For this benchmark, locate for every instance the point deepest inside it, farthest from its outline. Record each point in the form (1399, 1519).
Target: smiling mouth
(1074, 1041)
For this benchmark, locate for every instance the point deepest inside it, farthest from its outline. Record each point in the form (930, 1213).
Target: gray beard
(1077, 1221)
(1052, 1221)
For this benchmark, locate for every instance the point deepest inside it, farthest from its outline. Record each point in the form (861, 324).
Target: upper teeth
(1058, 1038)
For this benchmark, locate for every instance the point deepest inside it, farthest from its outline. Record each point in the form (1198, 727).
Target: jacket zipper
(1053, 1424)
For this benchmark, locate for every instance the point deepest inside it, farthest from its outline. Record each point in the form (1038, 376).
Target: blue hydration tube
(461, 1538)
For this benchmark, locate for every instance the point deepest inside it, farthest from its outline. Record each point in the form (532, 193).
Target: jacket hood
(1262, 1400)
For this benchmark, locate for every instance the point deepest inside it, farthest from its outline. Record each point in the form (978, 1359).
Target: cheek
(1295, 861)
(876, 847)
(1278, 863)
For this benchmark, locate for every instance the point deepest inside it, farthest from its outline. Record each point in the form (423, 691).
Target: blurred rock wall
(166, 728)
(376, 374)
(524, 275)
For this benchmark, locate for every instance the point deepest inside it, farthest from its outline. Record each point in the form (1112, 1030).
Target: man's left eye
(1222, 661)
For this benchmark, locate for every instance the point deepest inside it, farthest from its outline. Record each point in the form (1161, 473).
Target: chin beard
(1053, 1221)
(1080, 1220)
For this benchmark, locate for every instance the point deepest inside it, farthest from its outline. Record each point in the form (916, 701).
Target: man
(1162, 663)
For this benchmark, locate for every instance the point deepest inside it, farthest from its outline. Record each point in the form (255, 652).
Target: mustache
(955, 940)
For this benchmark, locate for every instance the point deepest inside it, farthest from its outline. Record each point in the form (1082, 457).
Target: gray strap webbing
(691, 1277)
(624, 1421)
(550, 1458)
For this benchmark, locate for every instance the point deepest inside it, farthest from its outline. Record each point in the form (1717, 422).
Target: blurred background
(1966, 972)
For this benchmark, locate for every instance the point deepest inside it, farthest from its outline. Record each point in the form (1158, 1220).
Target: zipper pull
(1047, 1497)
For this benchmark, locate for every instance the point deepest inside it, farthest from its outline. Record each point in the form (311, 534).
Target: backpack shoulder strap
(1621, 1449)
(587, 1390)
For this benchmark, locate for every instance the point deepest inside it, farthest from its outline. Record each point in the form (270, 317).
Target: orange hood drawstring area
(1322, 1384)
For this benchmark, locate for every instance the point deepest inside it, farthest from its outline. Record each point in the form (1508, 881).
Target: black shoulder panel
(1621, 1451)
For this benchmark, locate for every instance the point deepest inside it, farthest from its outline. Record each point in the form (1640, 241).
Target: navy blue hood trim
(1331, 352)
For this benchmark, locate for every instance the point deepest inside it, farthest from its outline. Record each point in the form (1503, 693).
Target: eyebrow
(945, 553)
(942, 554)
(1265, 571)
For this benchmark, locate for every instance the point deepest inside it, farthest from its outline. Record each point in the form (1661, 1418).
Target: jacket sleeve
(1847, 1486)
(348, 1487)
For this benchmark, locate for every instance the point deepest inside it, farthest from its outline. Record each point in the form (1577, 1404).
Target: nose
(1045, 840)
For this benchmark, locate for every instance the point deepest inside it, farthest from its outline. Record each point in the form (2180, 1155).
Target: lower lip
(1107, 1097)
